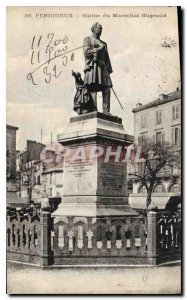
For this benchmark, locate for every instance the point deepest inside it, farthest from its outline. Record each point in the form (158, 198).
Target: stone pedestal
(95, 186)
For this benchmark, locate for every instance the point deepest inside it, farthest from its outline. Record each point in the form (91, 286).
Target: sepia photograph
(93, 150)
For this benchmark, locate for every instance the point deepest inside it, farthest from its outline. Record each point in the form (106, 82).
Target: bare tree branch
(154, 157)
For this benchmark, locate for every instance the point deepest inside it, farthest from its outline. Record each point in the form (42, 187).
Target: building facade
(11, 157)
(53, 182)
(39, 181)
(30, 169)
(161, 121)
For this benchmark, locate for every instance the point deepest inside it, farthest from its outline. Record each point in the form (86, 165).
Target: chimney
(138, 104)
(162, 96)
(179, 86)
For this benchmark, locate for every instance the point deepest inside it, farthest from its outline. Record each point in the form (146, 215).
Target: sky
(144, 54)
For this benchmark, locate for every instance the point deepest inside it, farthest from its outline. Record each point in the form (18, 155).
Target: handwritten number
(33, 42)
(39, 57)
(72, 56)
(32, 58)
(55, 48)
(50, 51)
(64, 60)
(52, 35)
(48, 74)
(57, 42)
(30, 77)
(65, 39)
(39, 40)
(55, 75)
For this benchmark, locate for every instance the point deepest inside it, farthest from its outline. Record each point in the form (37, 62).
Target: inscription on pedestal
(112, 178)
(112, 175)
(78, 168)
(80, 177)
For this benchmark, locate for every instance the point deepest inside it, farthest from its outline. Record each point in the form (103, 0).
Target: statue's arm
(88, 51)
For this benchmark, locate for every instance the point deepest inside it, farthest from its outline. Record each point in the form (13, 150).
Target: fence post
(45, 239)
(152, 238)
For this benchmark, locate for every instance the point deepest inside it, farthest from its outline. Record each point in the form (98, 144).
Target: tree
(29, 178)
(154, 157)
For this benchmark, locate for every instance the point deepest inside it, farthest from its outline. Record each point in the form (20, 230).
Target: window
(175, 112)
(158, 188)
(176, 136)
(143, 121)
(54, 178)
(158, 117)
(158, 137)
(143, 189)
(174, 188)
(142, 137)
(61, 236)
(38, 179)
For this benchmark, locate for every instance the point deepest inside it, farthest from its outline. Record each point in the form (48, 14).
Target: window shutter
(173, 136)
(173, 113)
(160, 117)
(177, 112)
(179, 137)
(163, 137)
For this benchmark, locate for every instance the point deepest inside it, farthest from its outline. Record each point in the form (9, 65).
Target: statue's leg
(106, 99)
(94, 98)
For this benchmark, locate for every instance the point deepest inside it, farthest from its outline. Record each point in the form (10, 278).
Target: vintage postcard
(93, 150)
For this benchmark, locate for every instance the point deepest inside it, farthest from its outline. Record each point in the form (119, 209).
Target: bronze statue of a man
(97, 67)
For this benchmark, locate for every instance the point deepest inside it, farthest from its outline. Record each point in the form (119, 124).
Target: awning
(12, 198)
(173, 203)
(138, 201)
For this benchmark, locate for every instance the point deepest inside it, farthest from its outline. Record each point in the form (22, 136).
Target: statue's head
(97, 28)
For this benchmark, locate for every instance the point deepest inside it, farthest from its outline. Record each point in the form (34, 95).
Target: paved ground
(125, 280)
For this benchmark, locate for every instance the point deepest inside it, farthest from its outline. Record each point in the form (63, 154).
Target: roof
(55, 170)
(167, 98)
(11, 127)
